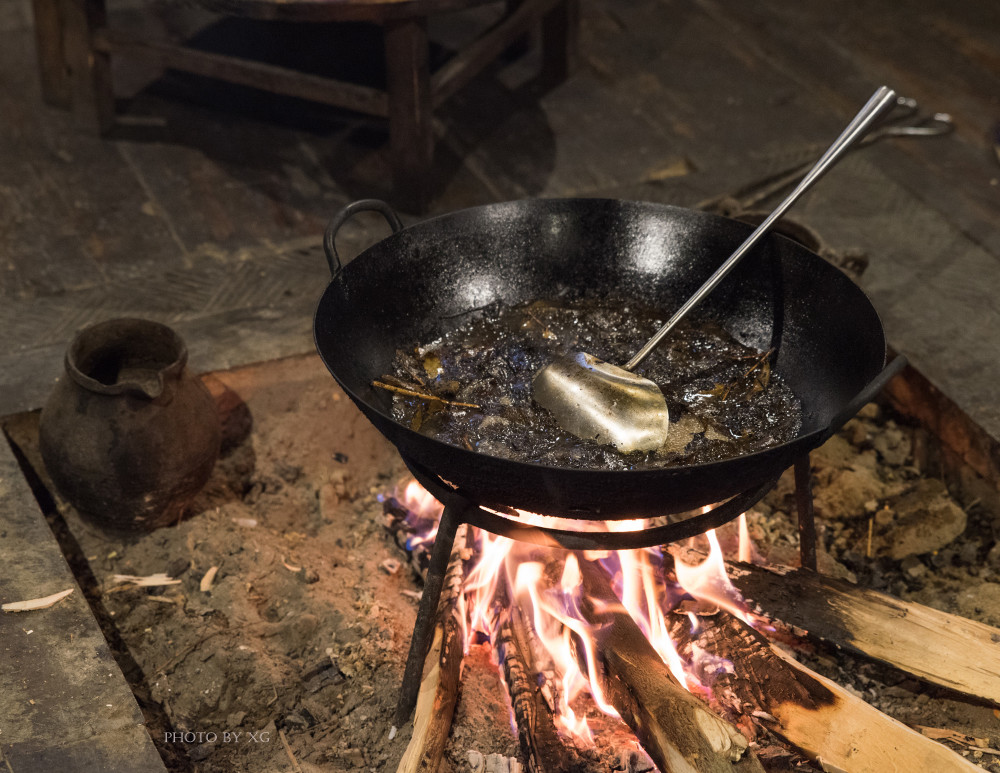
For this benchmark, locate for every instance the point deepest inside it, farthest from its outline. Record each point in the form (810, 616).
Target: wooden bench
(75, 45)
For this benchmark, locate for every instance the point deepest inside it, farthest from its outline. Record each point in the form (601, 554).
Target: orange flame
(553, 604)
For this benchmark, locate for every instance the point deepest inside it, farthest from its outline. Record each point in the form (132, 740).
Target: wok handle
(345, 214)
(867, 394)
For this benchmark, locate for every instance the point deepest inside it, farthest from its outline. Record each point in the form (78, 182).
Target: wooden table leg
(560, 40)
(411, 134)
(88, 71)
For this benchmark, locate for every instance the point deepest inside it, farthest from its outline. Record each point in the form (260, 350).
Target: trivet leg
(807, 518)
(426, 613)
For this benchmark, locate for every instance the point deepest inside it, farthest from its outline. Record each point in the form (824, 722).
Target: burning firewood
(540, 744)
(402, 524)
(676, 729)
(944, 649)
(825, 722)
(539, 741)
(442, 672)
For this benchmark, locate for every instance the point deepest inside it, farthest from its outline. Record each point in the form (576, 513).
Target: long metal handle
(881, 101)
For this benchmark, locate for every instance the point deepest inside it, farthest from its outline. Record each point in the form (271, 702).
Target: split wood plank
(941, 648)
(442, 673)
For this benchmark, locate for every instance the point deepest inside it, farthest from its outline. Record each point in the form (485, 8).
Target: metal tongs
(903, 120)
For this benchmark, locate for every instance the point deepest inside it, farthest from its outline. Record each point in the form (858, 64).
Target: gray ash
(724, 400)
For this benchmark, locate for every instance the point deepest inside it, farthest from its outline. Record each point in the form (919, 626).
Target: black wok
(418, 283)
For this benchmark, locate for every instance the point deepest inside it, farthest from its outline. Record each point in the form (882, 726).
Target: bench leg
(52, 70)
(411, 134)
(560, 40)
(87, 71)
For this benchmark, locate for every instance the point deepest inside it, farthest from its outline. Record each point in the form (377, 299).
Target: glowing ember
(509, 572)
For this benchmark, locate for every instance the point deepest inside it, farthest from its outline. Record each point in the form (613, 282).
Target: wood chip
(151, 580)
(41, 603)
(288, 750)
(206, 582)
(944, 734)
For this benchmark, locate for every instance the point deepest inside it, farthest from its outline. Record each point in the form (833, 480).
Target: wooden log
(541, 748)
(442, 672)
(676, 729)
(88, 69)
(943, 649)
(403, 524)
(809, 712)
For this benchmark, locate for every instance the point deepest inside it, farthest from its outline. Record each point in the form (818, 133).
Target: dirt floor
(291, 657)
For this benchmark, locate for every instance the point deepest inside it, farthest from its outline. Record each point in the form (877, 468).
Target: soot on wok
(472, 386)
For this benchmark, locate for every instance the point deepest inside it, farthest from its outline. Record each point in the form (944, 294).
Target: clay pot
(128, 435)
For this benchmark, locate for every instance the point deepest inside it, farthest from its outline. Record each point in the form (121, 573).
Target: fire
(514, 573)
(417, 499)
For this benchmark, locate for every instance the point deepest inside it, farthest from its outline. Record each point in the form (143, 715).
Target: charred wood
(541, 748)
(938, 647)
(755, 684)
(404, 526)
(677, 730)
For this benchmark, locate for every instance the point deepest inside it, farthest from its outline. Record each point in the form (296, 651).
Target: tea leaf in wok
(424, 415)
(546, 332)
(408, 363)
(432, 366)
(489, 360)
(753, 381)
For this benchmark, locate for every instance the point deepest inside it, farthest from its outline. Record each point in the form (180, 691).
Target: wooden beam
(267, 77)
(52, 69)
(560, 42)
(88, 67)
(463, 67)
(411, 132)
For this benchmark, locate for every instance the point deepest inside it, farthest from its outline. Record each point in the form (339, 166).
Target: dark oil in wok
(724, 400)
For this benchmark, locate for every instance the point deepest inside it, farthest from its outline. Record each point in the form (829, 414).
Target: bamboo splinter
(421, 395)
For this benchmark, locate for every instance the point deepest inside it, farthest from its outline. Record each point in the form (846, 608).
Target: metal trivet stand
(459, 509)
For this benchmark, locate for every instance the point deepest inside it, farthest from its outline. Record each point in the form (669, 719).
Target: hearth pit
(284, 525)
